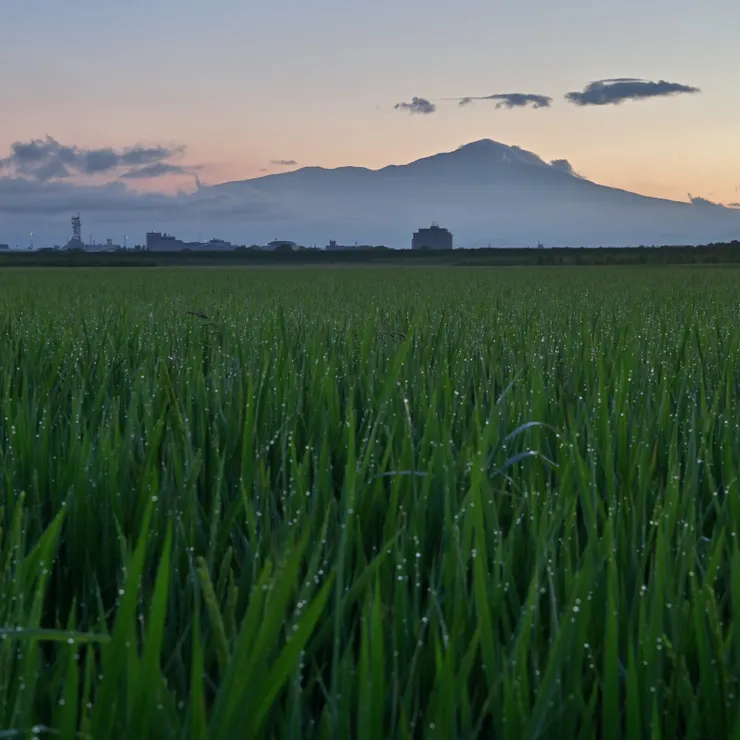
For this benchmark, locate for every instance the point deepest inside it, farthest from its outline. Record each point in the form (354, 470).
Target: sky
(240, 89)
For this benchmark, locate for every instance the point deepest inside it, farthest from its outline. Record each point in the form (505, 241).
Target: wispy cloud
(617, 90)
(284, 162)
(160, 169)
(420, 106)
(47, 159)
(509, 100)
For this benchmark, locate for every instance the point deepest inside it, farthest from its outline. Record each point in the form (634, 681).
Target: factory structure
(159, 242)
(435, 237)
(332, 246)
(156, 241)
(76, 241)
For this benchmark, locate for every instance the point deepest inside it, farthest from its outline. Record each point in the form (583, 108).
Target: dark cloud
(284, 162)
(417, 105)
(98, 161)
(47, 159)
(564, 166)
(54, 169)
(160, 169)
(510, 100)
(617, 90)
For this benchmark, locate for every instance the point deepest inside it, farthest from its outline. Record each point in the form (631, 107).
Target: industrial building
(156, 241)
(435, 237)
(159, 242)
(76, 241)
(332, 246)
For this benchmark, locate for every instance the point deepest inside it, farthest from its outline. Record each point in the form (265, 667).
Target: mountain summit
(490, 151)
(485, 192)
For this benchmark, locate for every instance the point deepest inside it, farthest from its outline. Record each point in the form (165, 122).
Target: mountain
(485, 192)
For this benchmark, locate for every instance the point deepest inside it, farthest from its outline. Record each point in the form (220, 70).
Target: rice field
(440, 503)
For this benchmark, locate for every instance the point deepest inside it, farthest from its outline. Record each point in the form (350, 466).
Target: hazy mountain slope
(485, 192)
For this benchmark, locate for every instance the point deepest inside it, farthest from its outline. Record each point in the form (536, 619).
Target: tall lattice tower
(76, 228)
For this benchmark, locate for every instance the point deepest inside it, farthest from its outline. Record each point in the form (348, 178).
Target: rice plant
(370, 503)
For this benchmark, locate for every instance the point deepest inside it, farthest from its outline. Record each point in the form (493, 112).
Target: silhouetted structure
(281, 245)
(76, 241)
(435, 237)
(156, 241)
(332, 246)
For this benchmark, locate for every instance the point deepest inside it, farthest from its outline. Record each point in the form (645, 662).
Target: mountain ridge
(480, 151)
(485, 192)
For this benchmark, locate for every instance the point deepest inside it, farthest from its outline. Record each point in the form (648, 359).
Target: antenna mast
(76, 229)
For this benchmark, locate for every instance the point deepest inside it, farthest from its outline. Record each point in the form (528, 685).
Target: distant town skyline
(487, 192)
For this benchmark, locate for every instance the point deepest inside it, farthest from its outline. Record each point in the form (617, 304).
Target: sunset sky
(243, 84)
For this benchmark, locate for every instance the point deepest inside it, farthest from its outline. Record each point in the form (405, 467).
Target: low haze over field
(250, 91)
